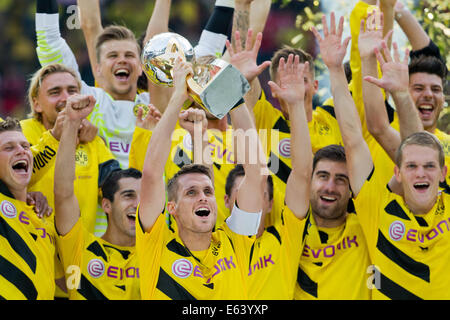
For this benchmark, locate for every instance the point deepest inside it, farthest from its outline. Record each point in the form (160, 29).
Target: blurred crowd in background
(288, 22)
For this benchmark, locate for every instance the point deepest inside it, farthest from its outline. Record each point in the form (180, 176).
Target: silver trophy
(216, 85)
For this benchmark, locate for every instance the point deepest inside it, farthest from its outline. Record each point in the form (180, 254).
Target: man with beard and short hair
(335, 258)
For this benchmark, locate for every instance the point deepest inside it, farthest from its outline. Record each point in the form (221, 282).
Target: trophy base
(223, 92)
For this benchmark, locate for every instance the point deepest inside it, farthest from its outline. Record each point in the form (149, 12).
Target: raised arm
(91, 25)
(159, 21)
(333, 49)
(245, 60)
(377, 120)
(290, 92)
(153, 199)
(395, 80)
(417, 37)
(51, 47)
(67, 210)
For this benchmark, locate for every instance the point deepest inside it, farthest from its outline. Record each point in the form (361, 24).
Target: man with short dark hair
(95, 268)
(194, 262)
(406, 230)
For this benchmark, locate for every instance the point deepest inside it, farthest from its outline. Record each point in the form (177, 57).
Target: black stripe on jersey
(171, 288)
(123, 253)
(282, 126)
(390, 111)
(328, 109)
(18, 244)
(19, 279)
(444, 185)
(275, 233)
(181, 158)
(404, 261)
(283, 171)
(178, 248)
(97, 249)
(421, 221)
(89, 291)
(306, 283)
(307, 223)
(393, 208)
(5, 190)
(394, 291)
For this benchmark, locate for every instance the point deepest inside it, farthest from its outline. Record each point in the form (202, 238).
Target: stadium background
(289, 21)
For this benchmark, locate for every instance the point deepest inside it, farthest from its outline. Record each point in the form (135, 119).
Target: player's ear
(171, 206)
(106, 205)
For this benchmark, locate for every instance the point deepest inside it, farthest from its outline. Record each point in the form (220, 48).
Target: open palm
(332, 48)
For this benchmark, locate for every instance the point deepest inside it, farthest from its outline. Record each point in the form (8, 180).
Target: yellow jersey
(272, 271)
(96, 269)
(335, 263)
(220, 148)
(410, 252)
(27, 251)
(275, 134)
(170, 271)
(93, 162)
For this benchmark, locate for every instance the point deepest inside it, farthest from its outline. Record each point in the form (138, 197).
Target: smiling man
(194, 262)
(96, 268)
(406, 232)
(50, 88)
(27, 254)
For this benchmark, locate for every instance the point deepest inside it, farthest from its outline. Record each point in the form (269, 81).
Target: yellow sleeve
(149, 246)
(368, 205)
(44, 155)
(70, 247)
(104, 154)
(138, 149)
(359, 12)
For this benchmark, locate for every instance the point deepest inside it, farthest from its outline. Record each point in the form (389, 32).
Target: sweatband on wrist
(242, 222)
(46, 6)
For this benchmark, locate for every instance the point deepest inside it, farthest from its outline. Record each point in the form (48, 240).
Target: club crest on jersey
(284, 148)
(8, 209)
(397, 230)
(96, 268)
(81, 158)
(182, 268)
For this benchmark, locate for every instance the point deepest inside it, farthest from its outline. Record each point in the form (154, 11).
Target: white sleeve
(52, 48)
(244, 223)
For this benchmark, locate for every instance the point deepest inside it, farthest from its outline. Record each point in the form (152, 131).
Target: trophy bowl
(159, 54)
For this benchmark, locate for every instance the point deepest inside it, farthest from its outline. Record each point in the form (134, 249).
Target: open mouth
(426, 110)
(122, 74)
(20, 166)
(421, 186)
(202, 212)
(328, 199)
(132, 216)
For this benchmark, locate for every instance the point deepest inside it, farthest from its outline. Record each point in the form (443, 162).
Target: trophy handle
(173, 49)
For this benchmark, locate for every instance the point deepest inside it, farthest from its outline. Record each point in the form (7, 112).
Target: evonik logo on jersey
(398, 231)
(183, 268)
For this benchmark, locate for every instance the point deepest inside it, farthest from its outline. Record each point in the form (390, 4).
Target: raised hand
(79, 106)
(332, 48)
(395, 71)
(371, 34)
(245, 60)
(181, 70)
(290, 88)
(193, 118)
(149, 120)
